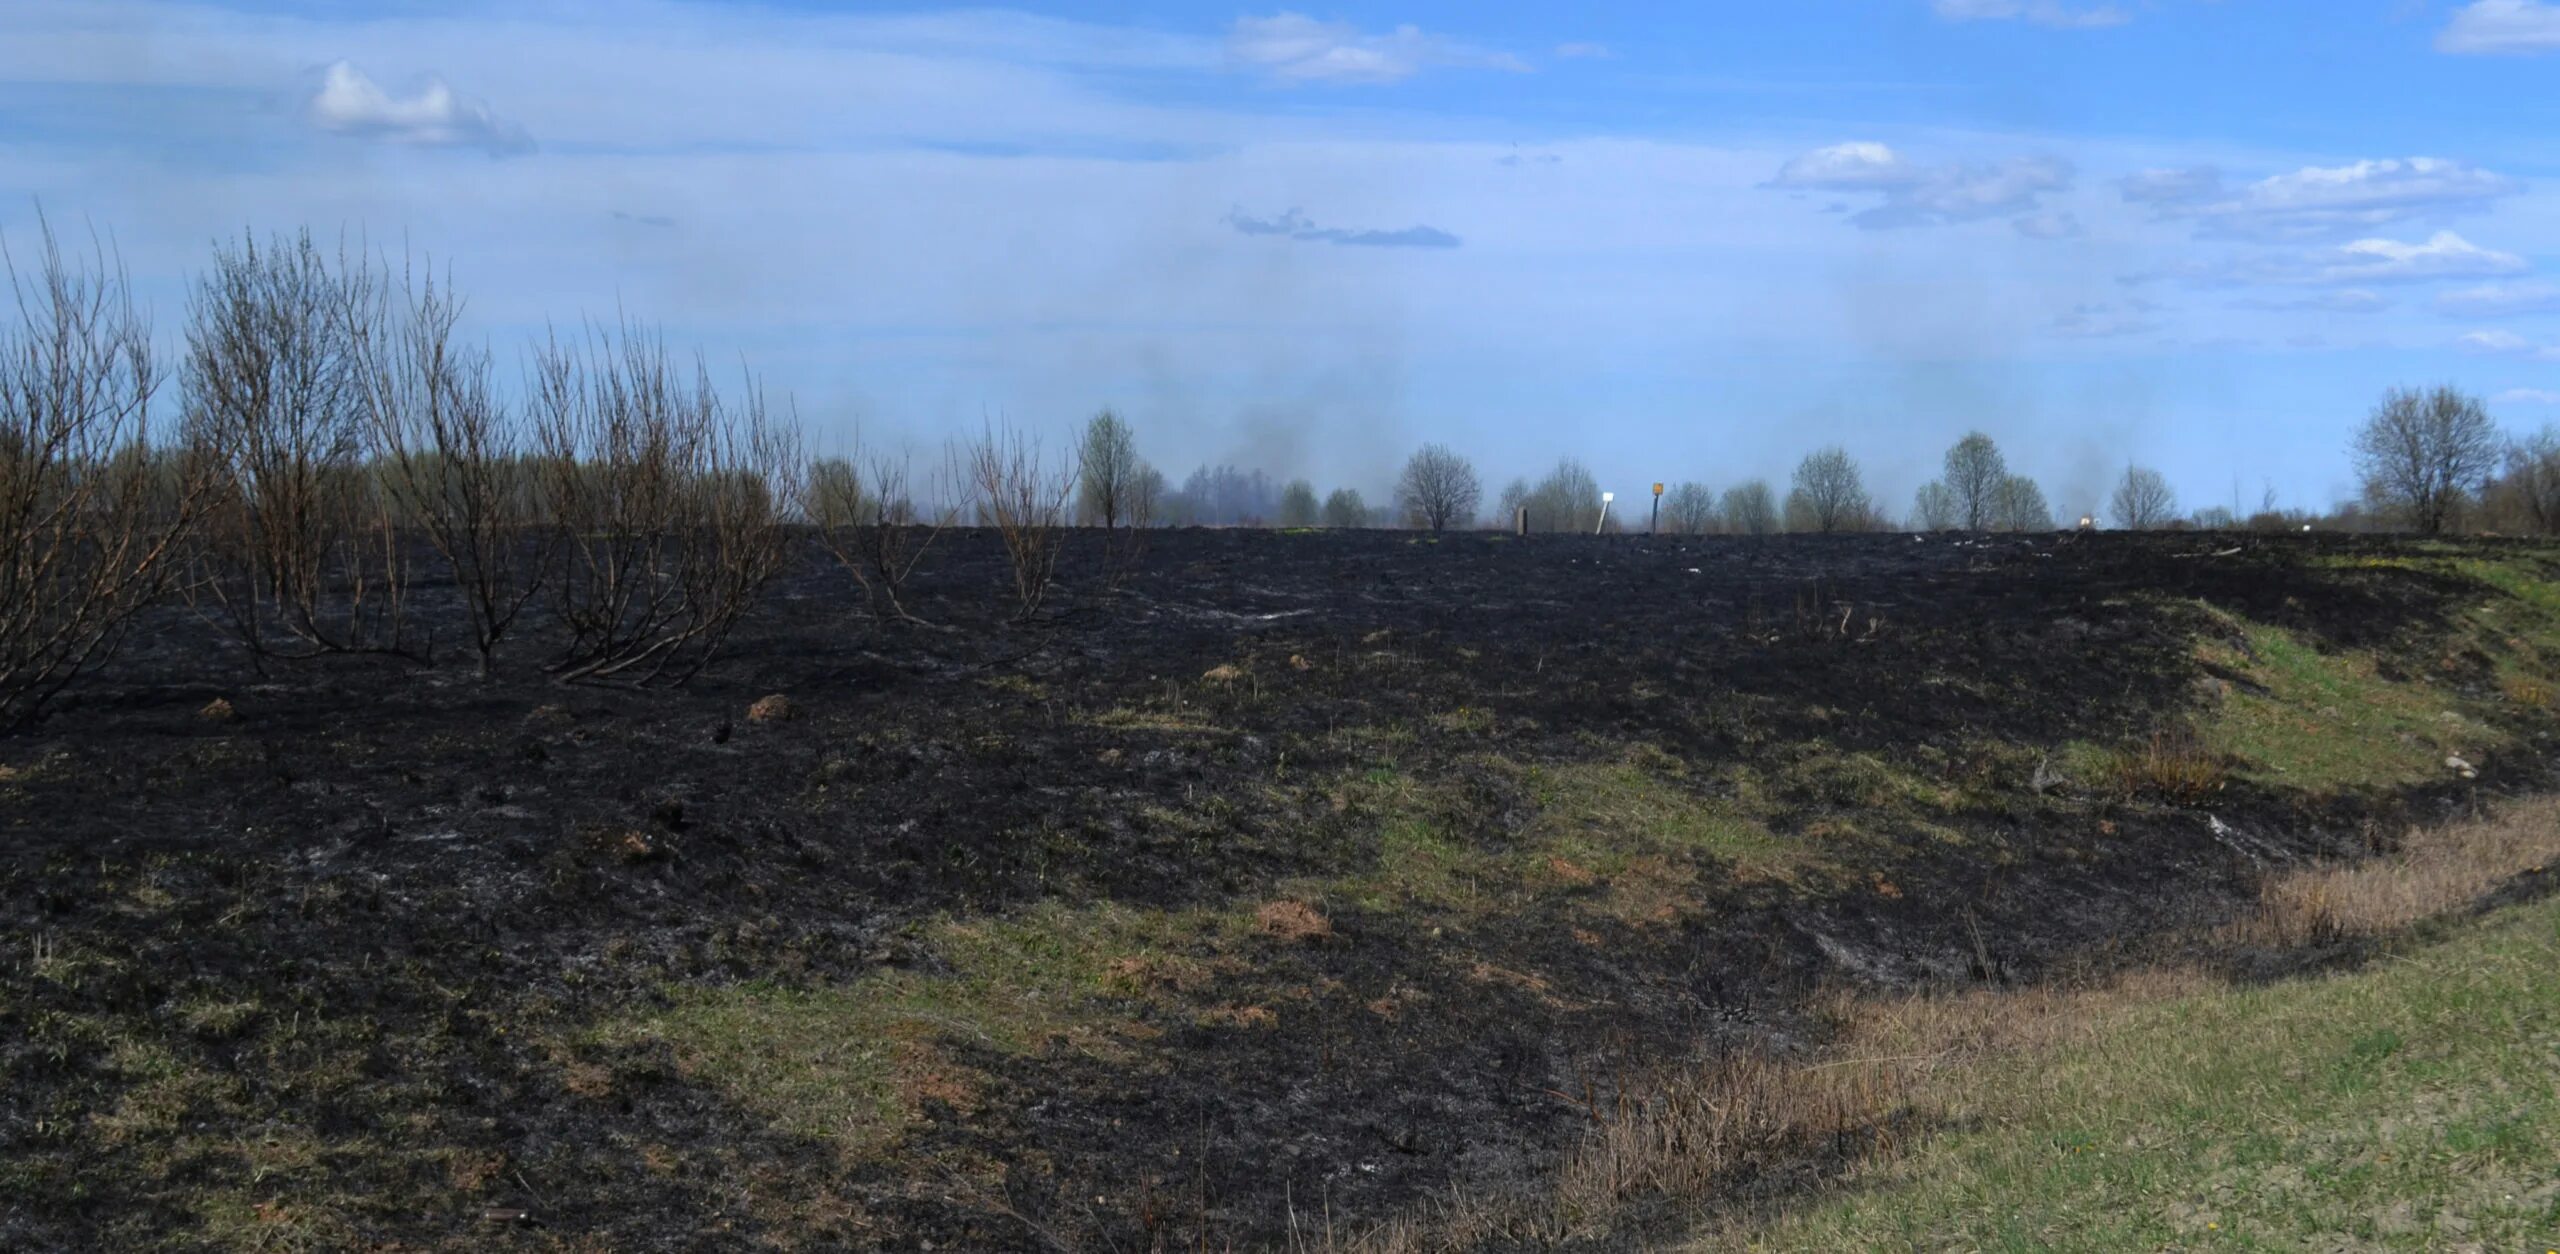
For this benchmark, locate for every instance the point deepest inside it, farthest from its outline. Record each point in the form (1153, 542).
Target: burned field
(1285, 876)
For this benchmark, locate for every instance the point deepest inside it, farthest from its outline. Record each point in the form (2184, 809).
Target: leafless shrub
(1749, 509)
(670, 504)
(451, 456)
(2142, 500)
(1023, 495)
(1689, 510)
(2530, 488)
(298, 534)
(867, 519)
(90, 513)
(1438, 489)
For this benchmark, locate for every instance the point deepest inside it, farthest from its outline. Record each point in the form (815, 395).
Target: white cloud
(2052, 13)
(2444, 255)
(1916, 195)
(349, 103)
(1295, 48)
(1584, 51)
(2507, 344)
(2510, 27)
(2494, 342)
(2526, 396)
(2318, 202)
(1853, 166)
(2500, 300)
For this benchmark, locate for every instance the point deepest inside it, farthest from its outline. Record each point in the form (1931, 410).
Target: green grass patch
(1604, 814)
(2330, 722)
(2406, 1106)
(851, 1064)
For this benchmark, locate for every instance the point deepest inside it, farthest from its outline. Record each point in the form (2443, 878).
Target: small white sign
(1607, 497)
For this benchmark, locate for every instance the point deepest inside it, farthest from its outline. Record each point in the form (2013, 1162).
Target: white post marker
(1603, 524)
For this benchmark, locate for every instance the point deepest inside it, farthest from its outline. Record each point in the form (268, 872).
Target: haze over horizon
(2203, 235)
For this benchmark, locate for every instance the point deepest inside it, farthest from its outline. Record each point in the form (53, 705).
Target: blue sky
(2199, 234)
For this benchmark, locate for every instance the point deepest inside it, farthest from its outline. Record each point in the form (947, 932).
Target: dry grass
(2174, 766)
(1709, 1134)
(1293, 921)
(2432, 872)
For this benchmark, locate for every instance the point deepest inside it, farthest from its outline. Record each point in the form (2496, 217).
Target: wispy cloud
(2173, 187)
(2101, 321)
(1295, 225)
(2502, 27)
(2353, 300)
(2526, 396)
(2059, 224)
(2500, 300)
(2319, 202)
(350, 103)
(2507, 344)
(2049, 13)
(1295, 48)
(1583, 51)
(2364, 262)
(1918, 195)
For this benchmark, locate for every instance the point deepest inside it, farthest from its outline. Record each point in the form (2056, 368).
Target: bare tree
(1515, 497)
(1148, 496)
(1299, 505)
(1024, 496)
(1438, 488)
(2532, 480)
(1749, 509)
(1343, 508)
(2422, 454)
(451, 456)
(2142, 500)
(299, 531)
(670, 504)
(1829, 495)
(90, 514)
(2019, 505)
(1689, 509)
(1934, 508)
(1975, 474)
(866, 517)
(1568, 499)
(1108, 453)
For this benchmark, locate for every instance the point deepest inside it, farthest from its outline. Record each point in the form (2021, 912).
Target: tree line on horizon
(337, 441)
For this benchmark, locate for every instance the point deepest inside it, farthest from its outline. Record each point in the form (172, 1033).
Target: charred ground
(1287, 872)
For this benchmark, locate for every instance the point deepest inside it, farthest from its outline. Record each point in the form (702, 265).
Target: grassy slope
(2408, 1105)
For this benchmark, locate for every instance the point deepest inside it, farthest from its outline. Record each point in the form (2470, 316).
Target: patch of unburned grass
(1607, 815)
(850, 1065)
(2331, 722)
(2408, 1105)
(2173, 765)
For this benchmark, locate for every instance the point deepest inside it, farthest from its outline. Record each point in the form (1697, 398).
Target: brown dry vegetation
(1741, 1134)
